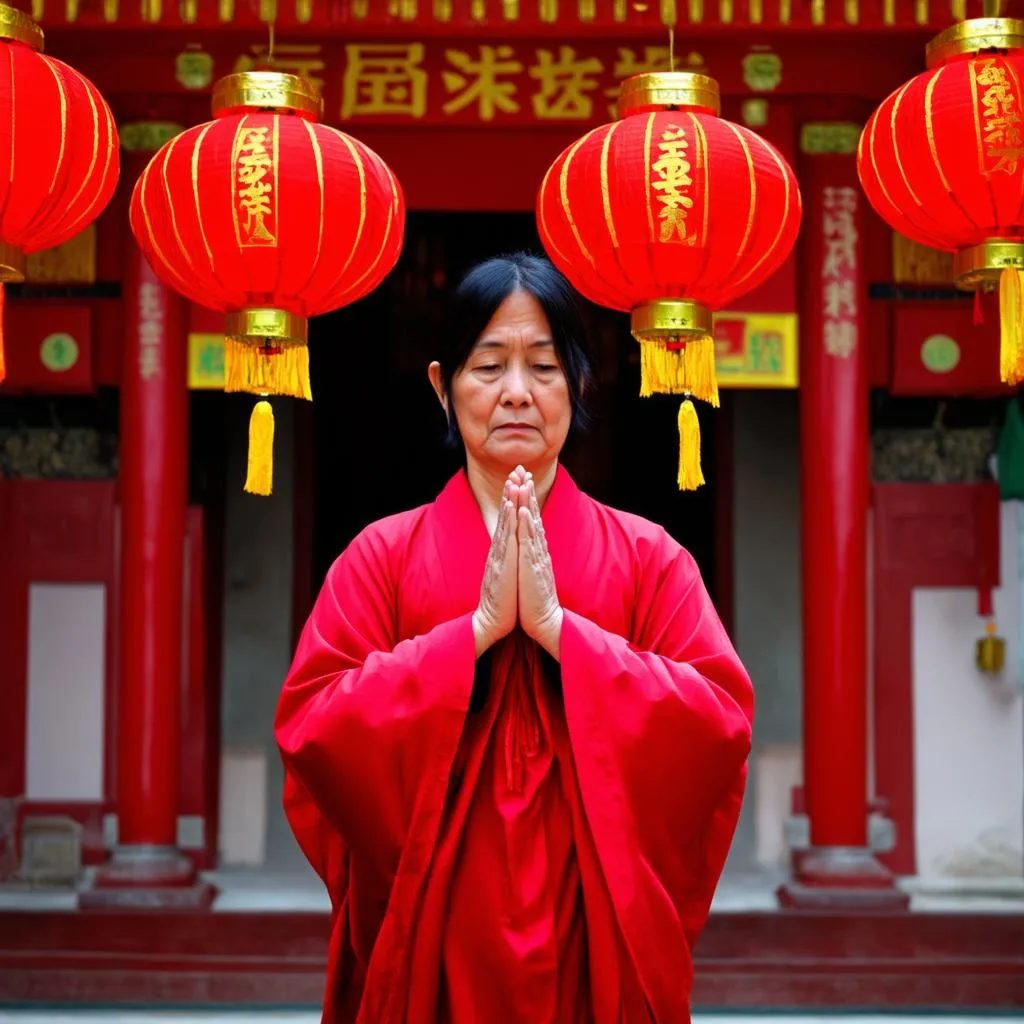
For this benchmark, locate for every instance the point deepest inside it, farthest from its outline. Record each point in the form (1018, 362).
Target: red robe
(538, 843)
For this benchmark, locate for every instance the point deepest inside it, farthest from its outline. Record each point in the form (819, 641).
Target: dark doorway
(376, 426)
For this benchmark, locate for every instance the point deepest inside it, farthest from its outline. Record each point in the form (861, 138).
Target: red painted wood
(26, 326)
(725, 581)
(153, 495)
(756, 960)
(925, 535)
(835, 474)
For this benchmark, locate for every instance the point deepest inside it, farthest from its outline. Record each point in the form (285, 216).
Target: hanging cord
(671, 48)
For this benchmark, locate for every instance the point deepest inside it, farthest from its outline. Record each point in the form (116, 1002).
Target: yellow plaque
(206, 361)
(756, 350)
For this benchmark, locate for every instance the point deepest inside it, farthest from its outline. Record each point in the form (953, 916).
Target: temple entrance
(376, 428)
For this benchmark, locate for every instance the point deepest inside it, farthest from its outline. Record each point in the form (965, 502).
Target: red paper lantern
(942, 162)
(58, 148)
(269, 217)
(668, 214)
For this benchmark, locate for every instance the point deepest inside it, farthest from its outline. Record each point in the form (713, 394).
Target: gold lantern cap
(266, 90)
(20, 28)
(669, 90)
(976, 35)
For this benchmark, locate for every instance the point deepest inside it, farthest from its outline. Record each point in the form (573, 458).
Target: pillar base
(841, 878)
(146, 876)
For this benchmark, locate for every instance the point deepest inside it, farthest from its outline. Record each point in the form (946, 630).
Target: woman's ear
(437, 383)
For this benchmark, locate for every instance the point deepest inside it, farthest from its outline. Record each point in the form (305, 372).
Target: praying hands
(519, 580)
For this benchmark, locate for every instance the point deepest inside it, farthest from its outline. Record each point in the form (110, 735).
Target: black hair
(477, 298)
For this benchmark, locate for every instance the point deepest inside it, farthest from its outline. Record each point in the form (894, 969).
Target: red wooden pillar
(146, 867)
(835, 470)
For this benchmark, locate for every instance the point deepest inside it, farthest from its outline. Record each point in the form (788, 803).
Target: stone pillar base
(148, 877)
(841, 878)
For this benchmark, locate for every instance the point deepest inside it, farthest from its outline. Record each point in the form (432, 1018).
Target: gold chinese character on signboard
(564, 84)
(479, 81)
(301, 59)
(384, 78)
(631, 62)
(840, 298)
(840, 338)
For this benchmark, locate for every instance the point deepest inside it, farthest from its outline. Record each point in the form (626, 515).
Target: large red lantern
(269, 217)
(58, 148)
(668, 214)
(942, 162)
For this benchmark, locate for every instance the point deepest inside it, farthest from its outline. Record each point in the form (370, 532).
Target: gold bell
(990, 651)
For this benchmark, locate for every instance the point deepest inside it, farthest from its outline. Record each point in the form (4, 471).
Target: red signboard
(49, 348)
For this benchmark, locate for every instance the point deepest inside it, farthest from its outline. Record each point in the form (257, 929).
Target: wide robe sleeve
(660, 726)
(368, 724)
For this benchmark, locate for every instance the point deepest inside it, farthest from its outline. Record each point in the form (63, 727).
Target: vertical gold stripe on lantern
(442, 10)
(929, 129)
(189, 11)
(852, 11)
(318, 160)
(154, 244)
(648, 132)
(563, 194)
(543, 220)
(58, 164)
(392, 208)
(817, 12)
(751, 184)
(587, 9)
(195, 190)
(782, 220)
(725, 11)
(696, 11)
(702, 165)
(921, 12)
(606, 200)
(668, 12)
(268, 10)
(87, 177)
(510, 9)
(361, 170)
(182, 248)
(894, 138)
(548, 10)
(226, 10)
(756, 11)
(874, 166)
(151, 10)
(478, 10)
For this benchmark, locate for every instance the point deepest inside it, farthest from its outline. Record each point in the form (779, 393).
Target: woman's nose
(517, 387)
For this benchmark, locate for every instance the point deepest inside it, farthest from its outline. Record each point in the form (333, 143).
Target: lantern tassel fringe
(1011, 324)
(266, 371)
(690, 475)
(687, 369)
(259, 478)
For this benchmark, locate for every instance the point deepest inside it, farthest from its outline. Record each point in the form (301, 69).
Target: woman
(515, 732)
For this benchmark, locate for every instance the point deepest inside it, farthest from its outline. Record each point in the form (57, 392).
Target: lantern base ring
(980, 265)
(12, 264)
(267, 327)
(671, 320)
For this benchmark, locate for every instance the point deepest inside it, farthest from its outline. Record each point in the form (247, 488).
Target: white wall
(969, 731)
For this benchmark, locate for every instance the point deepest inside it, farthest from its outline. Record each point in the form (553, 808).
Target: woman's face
(511, 398)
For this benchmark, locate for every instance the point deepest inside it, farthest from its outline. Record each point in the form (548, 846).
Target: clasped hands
(519, 581)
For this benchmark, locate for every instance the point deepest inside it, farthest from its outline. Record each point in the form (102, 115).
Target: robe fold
(514, 839)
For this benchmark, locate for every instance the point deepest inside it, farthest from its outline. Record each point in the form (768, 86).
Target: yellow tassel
(690, 476)
(701, 379)
(1011, 322)
(260, 476)
(689, 370)
(284, 371)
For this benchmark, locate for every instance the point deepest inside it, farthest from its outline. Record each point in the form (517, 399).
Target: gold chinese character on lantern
(479, 80)
(384, 78)
(255, 174)
(1000, 117)
(671, 182)
(564, 83)
(302, 59)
